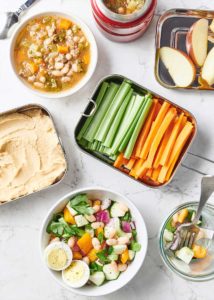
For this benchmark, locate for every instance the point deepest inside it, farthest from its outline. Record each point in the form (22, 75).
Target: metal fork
(186, 233)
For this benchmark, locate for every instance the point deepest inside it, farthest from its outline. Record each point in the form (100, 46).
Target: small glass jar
(123, 28)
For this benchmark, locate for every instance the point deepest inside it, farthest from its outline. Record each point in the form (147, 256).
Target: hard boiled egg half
(77, 274)
(58, 256)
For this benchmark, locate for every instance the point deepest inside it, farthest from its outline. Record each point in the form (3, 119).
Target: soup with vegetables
(124, 7)
(52, 53)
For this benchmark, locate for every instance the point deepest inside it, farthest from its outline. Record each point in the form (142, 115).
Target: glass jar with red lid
(123, 27)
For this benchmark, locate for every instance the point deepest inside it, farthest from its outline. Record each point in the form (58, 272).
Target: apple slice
(197, 41)
(179, 66)
(208, 68)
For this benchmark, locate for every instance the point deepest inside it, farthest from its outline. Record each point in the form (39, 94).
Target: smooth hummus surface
(31, 157)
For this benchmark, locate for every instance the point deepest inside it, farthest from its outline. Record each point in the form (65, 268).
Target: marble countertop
(22, 275)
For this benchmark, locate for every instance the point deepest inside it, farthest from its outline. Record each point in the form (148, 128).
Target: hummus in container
(31, 157)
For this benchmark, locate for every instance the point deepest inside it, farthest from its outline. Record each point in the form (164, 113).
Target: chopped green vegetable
(127, 217)
(103, 256)
(94, 267)
(135, 246)
(100, 237)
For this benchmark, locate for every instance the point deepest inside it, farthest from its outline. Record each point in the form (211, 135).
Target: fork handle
(24, 6)
(207, 188)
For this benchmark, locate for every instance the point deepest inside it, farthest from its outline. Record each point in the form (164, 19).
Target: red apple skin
(189, 46)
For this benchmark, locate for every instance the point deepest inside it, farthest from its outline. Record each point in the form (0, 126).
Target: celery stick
(138, 127)
(99, 98)
(94, 145)
(127, 123)
(97, 119)
(117, 120)
(112, 110)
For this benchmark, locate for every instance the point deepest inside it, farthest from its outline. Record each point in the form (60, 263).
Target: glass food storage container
(123, 27)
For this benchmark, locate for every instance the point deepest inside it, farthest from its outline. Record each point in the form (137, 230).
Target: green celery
(97, 119)
(126, 124)
(99, 98)
(117, 120)
(140, 122)
(112, 111)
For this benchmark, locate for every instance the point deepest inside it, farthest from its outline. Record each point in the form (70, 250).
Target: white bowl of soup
(54, 54)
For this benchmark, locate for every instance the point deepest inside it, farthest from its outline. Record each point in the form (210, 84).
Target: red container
(123, 28)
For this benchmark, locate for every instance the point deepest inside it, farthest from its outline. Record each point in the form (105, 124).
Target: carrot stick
(130, 163)
(136, 166)
(166, 171)
(149, 173)
(145, 129)
(171, 114)
(171, 141)
(155, 173)
(154, 129)
(162, 146)
(119, 161)
(140, 172)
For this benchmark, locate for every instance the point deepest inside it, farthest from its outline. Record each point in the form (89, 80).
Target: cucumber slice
(113, 257)
(118, 210)
(97, 278)
(168, 235)
(115, 223)
(111, 273)
(185, 254)
(80, 220)
(119, 249)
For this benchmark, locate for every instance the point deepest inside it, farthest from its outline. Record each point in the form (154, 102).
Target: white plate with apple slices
(189, 64)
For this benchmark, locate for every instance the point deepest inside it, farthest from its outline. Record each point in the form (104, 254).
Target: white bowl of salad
(93, 241)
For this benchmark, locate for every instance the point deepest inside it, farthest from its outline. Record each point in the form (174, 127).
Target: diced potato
(85, 243)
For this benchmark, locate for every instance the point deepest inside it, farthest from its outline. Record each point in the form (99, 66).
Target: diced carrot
(162, 146)
(96, 202)
(77, 255)
(86, 59)
(155, 173)
(33, 67)
(124, 256)
(154, 129)
(92, 255)
(199, 251)
(63, 24)
(85, 243)
(130, 163)
(171, 141)
(99, 230)
(68, 216)
(119, 161)
(145, 130)
(62, 49)
(171, 114)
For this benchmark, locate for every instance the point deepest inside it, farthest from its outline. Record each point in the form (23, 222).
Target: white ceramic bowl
(136, 264)
(93, 49)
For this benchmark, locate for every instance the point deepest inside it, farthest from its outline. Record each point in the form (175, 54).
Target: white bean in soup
(51, 53)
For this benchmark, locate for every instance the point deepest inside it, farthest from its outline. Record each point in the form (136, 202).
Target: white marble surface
(22, 275)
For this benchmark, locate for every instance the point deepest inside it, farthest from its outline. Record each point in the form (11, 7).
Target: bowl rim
(131, 207)
(202, 278)
(93, 48)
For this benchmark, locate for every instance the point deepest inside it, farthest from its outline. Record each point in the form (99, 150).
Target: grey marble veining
(22, 275)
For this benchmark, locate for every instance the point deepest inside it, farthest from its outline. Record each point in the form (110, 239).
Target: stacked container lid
(123, 28)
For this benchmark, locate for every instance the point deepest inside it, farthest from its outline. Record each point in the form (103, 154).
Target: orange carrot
(130, 163)
(162, 146)
(145, 130)
(171, 141)
(136, 166)
(166, 171)
(154, 129)
(149, 173)
(171, 114)
(155, 173)
(140, 172)
(119, 161)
